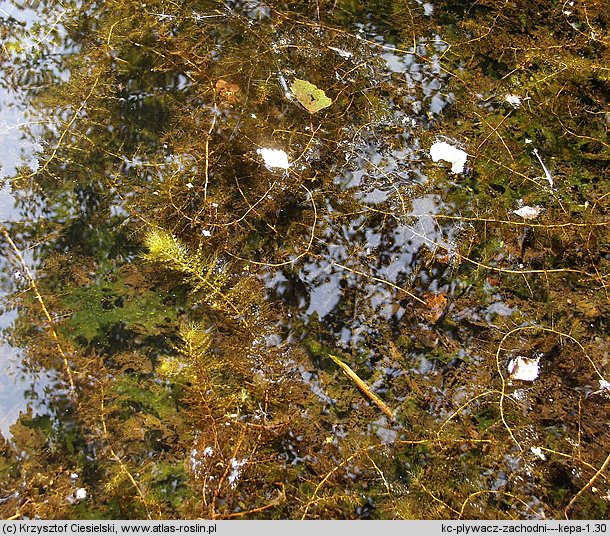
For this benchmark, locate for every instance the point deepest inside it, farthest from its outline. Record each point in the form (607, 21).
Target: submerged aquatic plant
(199, 270)
(196, 341)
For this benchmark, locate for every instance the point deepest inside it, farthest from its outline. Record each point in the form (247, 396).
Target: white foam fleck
(537, 451)
(443, 151)
(528, 213)
(513, 100)
(274, 158)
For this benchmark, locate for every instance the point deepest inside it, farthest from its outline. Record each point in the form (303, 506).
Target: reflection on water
(379, 237)
(21, 390)
(20, 387)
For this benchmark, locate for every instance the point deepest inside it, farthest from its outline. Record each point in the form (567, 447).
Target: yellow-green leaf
(311, 97)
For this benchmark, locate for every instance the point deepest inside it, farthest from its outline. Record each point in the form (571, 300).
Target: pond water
(195, 326)
(20, 388)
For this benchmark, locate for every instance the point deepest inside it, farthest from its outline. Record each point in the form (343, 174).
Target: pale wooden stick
(363, 387)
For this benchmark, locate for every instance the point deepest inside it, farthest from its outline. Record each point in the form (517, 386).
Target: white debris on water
(547, 173)
(236, 465)
(274, 158)
(537, 451)
(343, 53)
(195, 462)
(513, 100)
(524, 368)
(604, 385)
(520, 395)
(528, 213)
(78, 495)
(443, 151)
(196, 458)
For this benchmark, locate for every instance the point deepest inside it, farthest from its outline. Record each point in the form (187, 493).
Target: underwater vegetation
(254, 292)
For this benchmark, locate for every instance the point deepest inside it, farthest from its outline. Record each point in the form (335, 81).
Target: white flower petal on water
(528, 213)
(524, 368)
(443, 151)
(274, 158)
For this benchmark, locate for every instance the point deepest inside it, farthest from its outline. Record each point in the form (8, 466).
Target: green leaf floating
(311, 97)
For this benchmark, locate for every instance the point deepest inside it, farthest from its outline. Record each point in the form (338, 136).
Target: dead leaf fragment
(226, 91)
(436, 306)
(309, 96)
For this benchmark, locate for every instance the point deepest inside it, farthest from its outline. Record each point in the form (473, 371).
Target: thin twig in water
(549, 177)
(207, 159)
(45, 311)
(587, 485)
(363, 387)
